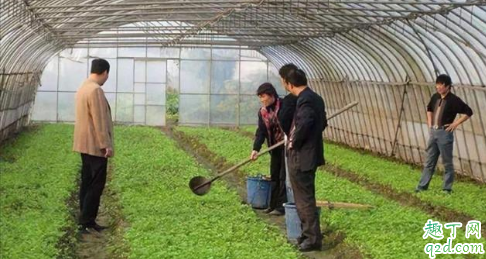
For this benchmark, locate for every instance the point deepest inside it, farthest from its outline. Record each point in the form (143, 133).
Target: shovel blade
(199, 185)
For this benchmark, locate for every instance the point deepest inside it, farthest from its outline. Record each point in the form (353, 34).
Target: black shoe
(266, 211)
(93, 226)
(98, 227)
(277, 212)
(449, 192)
(84, 231)
(307, 248)
(300, 240)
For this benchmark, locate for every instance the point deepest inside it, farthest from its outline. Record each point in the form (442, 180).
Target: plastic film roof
(336, 39)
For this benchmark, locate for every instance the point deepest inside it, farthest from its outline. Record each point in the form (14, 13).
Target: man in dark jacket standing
(441, 114)
(305, 154)
(286, 118)
(274, 111)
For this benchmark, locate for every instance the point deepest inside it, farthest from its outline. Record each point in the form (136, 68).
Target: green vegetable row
(468, 198)
(166, 220)
(388, 231)
(38, 174)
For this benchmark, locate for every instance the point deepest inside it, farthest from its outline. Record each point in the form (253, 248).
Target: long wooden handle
(343, 205)
(242, 163)
(345, 108)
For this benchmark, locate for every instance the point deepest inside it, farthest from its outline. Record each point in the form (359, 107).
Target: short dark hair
(444, 79)
(99, 66)
(266, 88)
(296, 78)
(285, 69)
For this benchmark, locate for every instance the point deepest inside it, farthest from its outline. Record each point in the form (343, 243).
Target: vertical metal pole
(58, 81)
(210, 81)
(357, 121)
(425, 100)
(399, 118)
(146, 69)
(117, 75)
(417, 106)
(238, 122)
(387, 102)
(179, 86)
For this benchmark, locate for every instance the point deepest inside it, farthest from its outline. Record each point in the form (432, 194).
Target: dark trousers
(303, 185)
(93, 179)
(277, 174)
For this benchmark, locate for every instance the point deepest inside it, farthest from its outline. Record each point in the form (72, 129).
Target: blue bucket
(258, 192)
(292, 221)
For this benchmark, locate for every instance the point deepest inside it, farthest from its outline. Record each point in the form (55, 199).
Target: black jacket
(453, 106)
(285, 115)
(310, 120)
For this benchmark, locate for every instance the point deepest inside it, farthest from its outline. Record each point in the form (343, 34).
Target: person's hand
(452, 127)
(290, 145)
(108, 152)
(254, 155)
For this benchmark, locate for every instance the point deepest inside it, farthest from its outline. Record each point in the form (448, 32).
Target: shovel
(200, 185)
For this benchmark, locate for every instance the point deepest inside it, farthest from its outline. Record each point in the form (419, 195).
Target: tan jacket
(93, 129)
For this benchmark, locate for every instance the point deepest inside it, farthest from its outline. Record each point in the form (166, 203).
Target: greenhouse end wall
(214, 86)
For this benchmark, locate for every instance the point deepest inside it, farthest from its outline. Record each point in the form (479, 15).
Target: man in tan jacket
(93, 139)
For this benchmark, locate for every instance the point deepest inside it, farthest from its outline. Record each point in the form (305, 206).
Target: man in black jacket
(305, 154)
(441, 114)
(273, 113)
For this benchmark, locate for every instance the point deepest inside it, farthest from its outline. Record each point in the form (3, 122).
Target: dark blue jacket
(310, 121)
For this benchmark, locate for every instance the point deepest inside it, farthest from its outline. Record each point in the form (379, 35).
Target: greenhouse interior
(239, 129)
